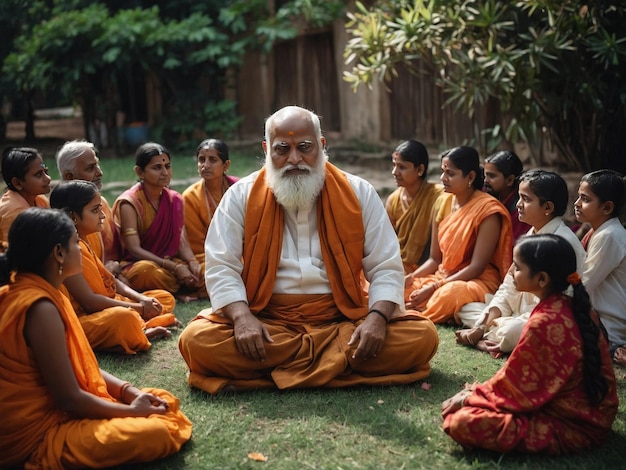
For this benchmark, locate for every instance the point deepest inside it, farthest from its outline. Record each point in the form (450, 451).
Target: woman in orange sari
(556, 394)
(471, 247)
(201, 198)
(27, 180)
(115, 317)
(59, 410)
(412, 206)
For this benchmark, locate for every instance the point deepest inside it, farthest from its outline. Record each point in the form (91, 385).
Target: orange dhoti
(314, 354)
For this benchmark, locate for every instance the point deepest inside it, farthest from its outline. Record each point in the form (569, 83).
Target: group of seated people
(313, 282)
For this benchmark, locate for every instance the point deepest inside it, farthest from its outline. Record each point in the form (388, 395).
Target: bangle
(438, 284)
(129, 232)
(378, 312)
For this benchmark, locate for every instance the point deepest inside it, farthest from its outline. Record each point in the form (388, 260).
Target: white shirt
(605, 278)
(508, 299)
(301, 268)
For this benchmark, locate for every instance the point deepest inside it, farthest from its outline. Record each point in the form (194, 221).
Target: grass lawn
(364, 428)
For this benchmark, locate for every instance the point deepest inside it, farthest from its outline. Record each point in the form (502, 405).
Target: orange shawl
(11, 204)
(26, 405)
(199, 211)
(102, 282)
(341, 232)
(413, 223)
(459, 230)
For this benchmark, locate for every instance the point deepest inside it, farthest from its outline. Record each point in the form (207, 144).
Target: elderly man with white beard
(306, 282)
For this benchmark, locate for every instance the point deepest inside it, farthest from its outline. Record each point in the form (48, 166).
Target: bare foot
(186, 298)
(157, 332)
(469, 337)
(490, 347)
(619, 356)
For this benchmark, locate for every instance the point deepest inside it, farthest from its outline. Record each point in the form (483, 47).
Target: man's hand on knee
(250, 333)
(370, 336)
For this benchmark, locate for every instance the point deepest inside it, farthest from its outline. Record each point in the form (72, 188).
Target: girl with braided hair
(556, 394)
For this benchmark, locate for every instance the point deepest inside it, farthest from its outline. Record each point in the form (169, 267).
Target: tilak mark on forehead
(291, 133)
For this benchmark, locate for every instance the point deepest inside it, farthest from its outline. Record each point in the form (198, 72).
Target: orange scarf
(341, 232)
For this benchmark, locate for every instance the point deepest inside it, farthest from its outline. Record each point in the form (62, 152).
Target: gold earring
(60, 269)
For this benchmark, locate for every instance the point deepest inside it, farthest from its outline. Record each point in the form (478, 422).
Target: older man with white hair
(78, 160)
(287, 255)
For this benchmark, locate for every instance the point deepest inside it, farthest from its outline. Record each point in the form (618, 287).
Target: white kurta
(516, 306)
(605, 278)
(301, 268)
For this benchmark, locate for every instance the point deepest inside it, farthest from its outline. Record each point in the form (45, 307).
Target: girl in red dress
(556, 394)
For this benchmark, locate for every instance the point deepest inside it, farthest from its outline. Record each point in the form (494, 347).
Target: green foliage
(552, 63)
(83, 49)
(268, 27)
(217, 119)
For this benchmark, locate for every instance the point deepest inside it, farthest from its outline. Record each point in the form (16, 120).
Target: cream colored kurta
(605, 278)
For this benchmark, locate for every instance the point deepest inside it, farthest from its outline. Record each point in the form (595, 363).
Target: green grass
(362, 428)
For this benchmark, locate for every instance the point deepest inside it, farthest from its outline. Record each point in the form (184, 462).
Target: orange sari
(458, 233)
(11, 204)
(34, 433)
(413, 222)
(116, 327)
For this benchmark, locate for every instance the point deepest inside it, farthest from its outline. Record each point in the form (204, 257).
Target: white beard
(296, 191)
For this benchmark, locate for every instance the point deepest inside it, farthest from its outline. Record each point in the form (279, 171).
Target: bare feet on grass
(490, 347)
(157, 332)
(469, 336)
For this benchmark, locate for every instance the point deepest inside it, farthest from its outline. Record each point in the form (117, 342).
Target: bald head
(291, 118)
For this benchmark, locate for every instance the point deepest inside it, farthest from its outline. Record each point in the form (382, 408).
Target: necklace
(154, 206)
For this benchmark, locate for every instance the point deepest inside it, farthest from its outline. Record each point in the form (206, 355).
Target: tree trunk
(29, 122)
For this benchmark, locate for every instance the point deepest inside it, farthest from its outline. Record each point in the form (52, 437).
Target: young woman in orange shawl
(115, 317)
(556, 394)
(201, 198)
(470, 250)
(412, 206)
(59, 410)
(27, 180)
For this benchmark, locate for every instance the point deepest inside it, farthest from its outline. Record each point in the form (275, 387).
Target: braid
(553, 255)
(595, 384)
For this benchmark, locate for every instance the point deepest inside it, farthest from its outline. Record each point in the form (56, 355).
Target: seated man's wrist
(379, 314)
(234, 311)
